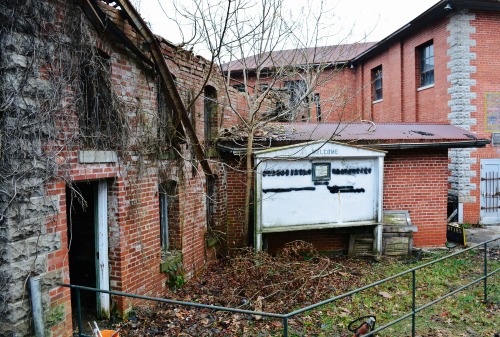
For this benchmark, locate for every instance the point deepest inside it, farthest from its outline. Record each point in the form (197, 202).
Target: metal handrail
(286, 317)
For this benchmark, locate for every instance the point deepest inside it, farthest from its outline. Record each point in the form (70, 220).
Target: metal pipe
(36, 306)
(485, 272)
(413, 300)
(79, 312)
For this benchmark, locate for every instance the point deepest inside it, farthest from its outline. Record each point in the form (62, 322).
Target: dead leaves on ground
(298, 276)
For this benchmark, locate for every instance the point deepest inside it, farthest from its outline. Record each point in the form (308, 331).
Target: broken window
(296, 92)
(98, 120)
(292, 103)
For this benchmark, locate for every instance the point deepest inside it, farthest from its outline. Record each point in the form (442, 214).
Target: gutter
(240, 151)
(448, 145)
(135, 19)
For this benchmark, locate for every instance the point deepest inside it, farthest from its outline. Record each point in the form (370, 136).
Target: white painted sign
(318, 185)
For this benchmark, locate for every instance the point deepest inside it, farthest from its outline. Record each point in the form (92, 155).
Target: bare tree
(275, 59)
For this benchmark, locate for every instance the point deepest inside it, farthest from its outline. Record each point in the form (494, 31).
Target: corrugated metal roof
(372, 131)
(320, 55)
(378, 135)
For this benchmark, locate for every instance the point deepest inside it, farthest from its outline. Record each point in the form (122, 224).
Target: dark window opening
(98, 123)
(239, 87)
(377, 83)
(210, 109)
(317, 101)
(169, 216)
(211, 200)
(426, 53)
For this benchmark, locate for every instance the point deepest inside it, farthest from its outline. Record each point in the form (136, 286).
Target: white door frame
(102, 259)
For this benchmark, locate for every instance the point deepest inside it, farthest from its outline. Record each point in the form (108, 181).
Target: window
(239, 87)
(211, 200)
(426, 53)
(163, 219)
(263, 87)
(169, 216)
(210, 109)
(296, 91)
(318, 107)
(377, 83)
(98, 124)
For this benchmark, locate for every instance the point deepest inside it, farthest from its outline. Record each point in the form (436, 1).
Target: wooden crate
(397, 235)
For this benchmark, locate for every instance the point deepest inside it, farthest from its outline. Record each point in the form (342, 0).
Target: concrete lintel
(91, 157)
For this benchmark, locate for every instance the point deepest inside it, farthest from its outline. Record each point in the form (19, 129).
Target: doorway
(86, 206)
(490, 191)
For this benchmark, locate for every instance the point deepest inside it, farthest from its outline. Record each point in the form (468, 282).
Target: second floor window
(427, 64)
(296, 91)
(377, 83)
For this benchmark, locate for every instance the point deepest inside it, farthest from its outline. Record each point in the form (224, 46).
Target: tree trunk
(248, 188)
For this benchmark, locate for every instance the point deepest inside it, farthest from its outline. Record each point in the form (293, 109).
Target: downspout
(36, 306)
(167, 79)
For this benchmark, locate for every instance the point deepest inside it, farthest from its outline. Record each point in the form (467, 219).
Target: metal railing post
(285, 327)
(79, 312)
(485, 272)
(413, 299)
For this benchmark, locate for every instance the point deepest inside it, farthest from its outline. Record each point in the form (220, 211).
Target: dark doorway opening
(81, 219)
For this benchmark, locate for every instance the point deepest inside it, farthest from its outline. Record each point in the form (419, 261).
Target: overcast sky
(374, 18)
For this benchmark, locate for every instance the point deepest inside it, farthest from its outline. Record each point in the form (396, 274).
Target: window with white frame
(426, 53)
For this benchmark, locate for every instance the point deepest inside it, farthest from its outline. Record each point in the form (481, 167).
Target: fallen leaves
(296, 277)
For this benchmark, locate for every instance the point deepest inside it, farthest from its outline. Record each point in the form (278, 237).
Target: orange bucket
(109, 333)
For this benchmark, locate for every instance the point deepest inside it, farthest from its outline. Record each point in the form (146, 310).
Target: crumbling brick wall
(41, 143)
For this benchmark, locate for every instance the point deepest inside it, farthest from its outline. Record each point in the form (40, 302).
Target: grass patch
(462, 313)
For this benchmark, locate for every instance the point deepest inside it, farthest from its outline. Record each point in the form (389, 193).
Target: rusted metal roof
(377, 135)
(320, 55)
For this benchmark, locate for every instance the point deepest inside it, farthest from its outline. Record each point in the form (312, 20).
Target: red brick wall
(337, 90)
(133, 199)
(487, 65)
(402, 101)
(416, 181)
(233, 226)
(325, 240)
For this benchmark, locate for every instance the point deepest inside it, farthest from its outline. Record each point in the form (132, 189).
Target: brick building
(101, 185)
(438, 68)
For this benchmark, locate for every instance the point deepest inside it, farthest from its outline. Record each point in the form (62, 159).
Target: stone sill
(426, 87)
(378, 101)
(94, 157)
